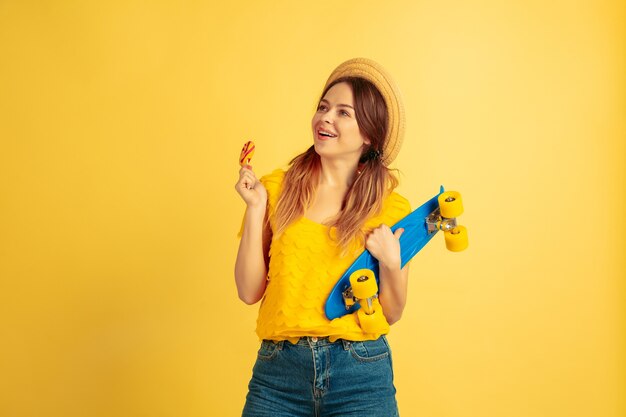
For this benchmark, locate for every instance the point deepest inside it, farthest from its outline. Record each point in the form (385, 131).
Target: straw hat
(376, 74)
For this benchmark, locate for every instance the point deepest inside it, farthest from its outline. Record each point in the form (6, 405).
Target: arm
(393, 291)
(253, 254)
(385, 247)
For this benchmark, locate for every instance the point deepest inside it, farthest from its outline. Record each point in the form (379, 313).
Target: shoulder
(396, 205)
(273, 184)
(395, 208)
(273, 178)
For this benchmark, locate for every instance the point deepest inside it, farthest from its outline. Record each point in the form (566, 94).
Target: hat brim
(377, 75)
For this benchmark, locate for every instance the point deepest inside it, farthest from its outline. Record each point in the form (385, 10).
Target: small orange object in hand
(246, 153)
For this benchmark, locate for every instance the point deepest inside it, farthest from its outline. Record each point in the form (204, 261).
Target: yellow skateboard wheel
(375, 322)
(456, 239)
(363, 283)
(450, 204)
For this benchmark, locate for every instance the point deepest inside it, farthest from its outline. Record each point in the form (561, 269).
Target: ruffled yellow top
(304, 266)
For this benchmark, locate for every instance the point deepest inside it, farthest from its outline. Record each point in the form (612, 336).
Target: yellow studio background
(120, 126)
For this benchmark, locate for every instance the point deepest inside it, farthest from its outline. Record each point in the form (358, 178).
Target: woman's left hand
(385, 246)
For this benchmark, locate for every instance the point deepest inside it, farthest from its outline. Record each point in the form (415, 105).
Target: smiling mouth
(325, 135)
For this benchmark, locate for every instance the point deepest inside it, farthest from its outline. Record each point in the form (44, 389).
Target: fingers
(382, 234)
(246, 167)
(386, 230)
(248, 175)
(247, 179)
(384, 244)
(381, 230)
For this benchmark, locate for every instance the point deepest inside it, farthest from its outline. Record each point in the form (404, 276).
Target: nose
(328, 118)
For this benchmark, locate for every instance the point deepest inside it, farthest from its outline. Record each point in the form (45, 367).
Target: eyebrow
(338, 105)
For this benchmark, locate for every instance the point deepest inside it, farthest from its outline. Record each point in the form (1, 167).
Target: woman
(302, 229)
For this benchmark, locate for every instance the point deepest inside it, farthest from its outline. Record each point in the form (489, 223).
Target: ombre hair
(372, 184)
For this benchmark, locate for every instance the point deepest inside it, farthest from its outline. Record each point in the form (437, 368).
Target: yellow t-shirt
(305, 264)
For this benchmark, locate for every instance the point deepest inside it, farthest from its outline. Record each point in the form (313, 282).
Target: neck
(338, 173)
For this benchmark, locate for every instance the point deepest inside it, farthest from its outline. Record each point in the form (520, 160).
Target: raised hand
(250, 188)
(385, 245)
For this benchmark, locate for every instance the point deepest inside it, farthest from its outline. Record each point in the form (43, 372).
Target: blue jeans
(318, 378)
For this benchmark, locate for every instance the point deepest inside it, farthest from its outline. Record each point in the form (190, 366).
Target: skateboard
(358, 286)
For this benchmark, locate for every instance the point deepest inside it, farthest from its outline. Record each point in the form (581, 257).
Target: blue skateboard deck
(414, 238)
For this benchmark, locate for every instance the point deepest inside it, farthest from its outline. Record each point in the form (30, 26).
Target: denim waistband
(312, 341)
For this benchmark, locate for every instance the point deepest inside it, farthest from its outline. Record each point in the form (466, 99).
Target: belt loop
(346, 344)
(280, 344)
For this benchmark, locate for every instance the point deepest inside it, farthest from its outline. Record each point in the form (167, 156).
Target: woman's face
(335, 116)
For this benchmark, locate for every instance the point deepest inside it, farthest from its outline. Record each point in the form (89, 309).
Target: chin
(323, 153)
(316, 147)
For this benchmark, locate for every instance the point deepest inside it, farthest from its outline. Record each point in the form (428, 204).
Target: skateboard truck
(435, 222)
(444, 218)
(348, 298)
(369, 301)
(364, 290)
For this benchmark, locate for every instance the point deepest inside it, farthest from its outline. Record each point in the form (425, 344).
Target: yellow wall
(120, 126)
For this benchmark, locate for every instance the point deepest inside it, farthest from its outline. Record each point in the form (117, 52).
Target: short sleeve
(397, 208)
(273, 184)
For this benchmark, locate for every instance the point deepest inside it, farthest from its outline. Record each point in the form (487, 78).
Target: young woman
(302, 229)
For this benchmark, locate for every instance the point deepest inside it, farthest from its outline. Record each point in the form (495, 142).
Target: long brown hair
(372, 184)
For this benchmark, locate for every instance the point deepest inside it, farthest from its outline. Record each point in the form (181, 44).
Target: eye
(345, 112)
(321, 107)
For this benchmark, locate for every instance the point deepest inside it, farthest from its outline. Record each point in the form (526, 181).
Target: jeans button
(314, 339)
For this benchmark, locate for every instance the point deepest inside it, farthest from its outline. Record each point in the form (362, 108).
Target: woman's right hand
(250, 188)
